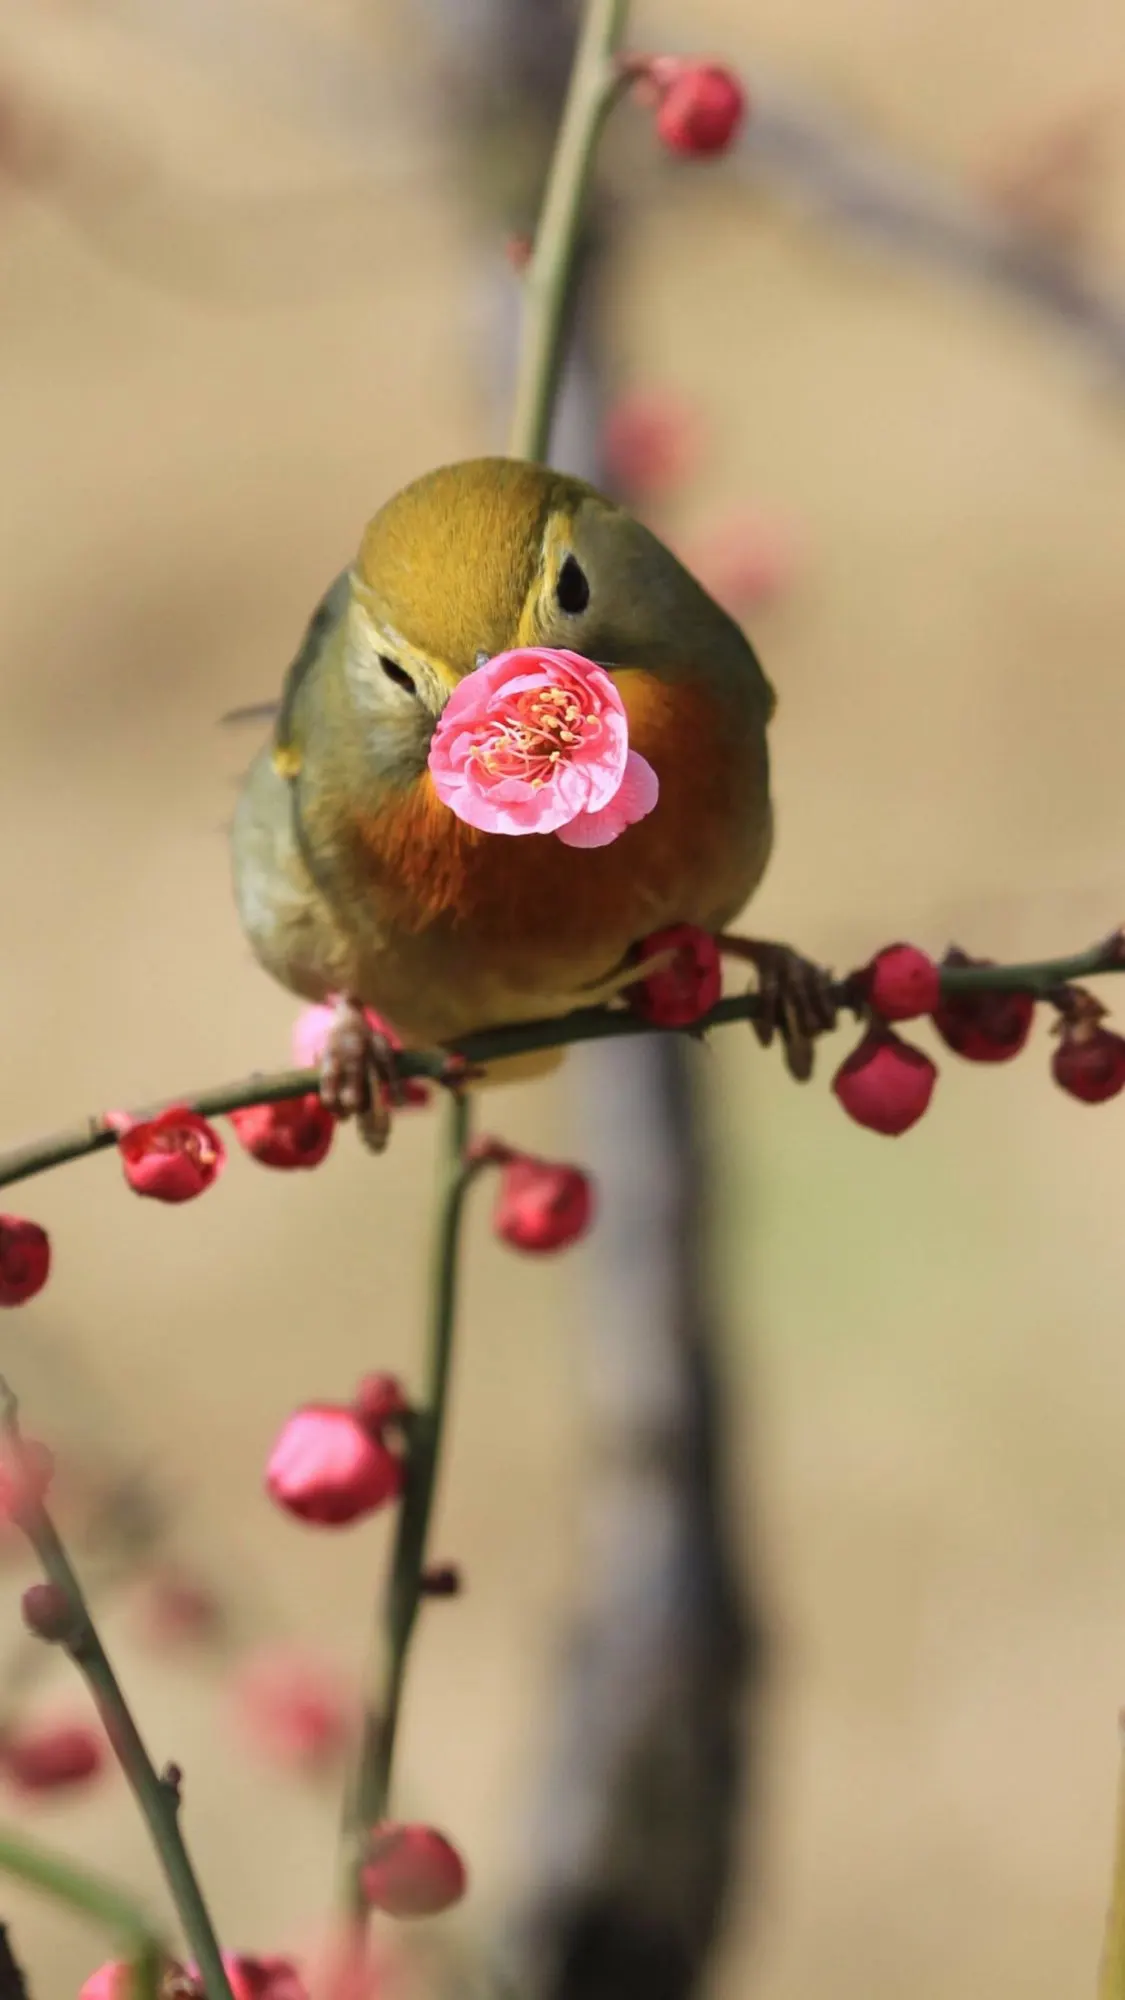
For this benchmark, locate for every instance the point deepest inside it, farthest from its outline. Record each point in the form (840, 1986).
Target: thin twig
(371, 1788)
(157, 1801)
(95, 1134)
(595, 82)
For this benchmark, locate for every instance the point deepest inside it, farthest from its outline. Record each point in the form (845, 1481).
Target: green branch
(1043, 977)
(370, 1796)
(595, 82)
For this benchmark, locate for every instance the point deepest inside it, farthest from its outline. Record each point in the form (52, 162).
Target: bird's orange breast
(531, 897)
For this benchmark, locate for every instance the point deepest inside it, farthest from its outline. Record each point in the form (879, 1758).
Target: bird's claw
(359, 1075)
(797, 1000)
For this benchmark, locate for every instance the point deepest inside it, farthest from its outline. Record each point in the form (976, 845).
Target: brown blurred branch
(811, 156)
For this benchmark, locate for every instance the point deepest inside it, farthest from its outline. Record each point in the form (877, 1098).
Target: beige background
(932, 1334)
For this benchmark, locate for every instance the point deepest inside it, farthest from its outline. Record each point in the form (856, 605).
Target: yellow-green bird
(354, 880)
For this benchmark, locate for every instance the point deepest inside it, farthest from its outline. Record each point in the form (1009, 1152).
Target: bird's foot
(359, 1075)
(797, 1000)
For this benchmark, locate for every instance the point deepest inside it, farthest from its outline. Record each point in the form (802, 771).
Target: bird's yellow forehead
(450, 562)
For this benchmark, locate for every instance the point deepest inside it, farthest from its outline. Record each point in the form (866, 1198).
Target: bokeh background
(241, 304)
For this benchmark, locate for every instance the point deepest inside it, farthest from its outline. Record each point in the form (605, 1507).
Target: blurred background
(248, 290)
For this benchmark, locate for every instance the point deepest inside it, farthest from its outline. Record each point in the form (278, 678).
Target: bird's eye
(572, 588)
(397, 674)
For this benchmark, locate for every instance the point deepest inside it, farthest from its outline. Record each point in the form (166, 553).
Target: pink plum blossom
(537, 741)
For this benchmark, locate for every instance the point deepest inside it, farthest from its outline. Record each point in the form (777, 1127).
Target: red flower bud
(687, 987)
(540, 1206)
(651, 443)
(25, 1259)
(294, 1709)
(173, 1157)
(327, 1467)
(900, 983)
(51, 1756)
(379, 1400)
(885, 1084)
(295, 1132)
(47, 1612)
(701, 106)
(412, 1871)
(983, 1027)
(1089, 1062)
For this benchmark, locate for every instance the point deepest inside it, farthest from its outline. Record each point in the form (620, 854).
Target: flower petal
(633, 800)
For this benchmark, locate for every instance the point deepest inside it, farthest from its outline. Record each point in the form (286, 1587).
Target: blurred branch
(13, 1985)
(157, 1799)
(809, 155)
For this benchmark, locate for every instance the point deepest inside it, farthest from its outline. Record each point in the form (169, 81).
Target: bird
(353, 881)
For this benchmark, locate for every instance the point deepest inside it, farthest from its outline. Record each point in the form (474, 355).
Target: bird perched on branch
(355, 881)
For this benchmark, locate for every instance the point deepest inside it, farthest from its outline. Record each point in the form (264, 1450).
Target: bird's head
(493, 553)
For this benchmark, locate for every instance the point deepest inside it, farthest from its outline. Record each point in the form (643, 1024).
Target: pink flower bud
(746, 560)
(294, 1709)
(685, 989)
(52, 1756)
(651, 443)
(379, 1400)
(294, 1132)
(1089, 1063)
(25, 1259)
(541, 1206)
(701, 106)
(885, 1084)
(900, 983)
(412, 1871)
(173, 1157)
(47, 1612)
(983, 1027)
(327, 1467)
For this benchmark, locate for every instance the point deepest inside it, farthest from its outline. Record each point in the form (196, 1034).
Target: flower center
(532, 733)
